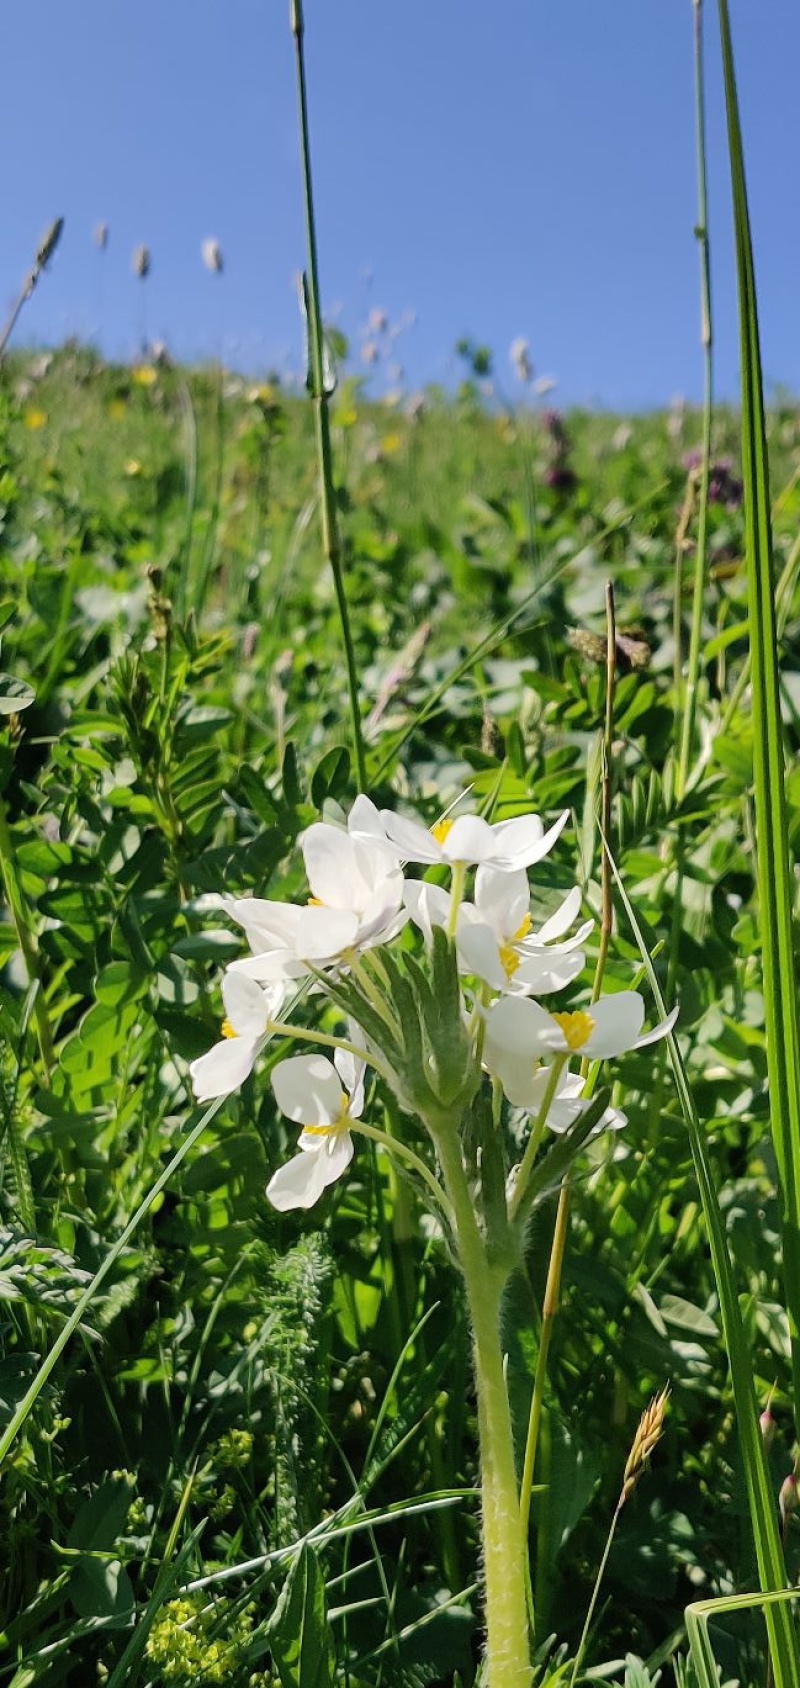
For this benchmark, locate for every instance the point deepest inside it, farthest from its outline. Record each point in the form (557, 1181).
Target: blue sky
(524, 169)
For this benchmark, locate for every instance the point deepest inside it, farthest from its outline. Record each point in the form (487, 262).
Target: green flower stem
(394, 1146)
(456, 894)
(537, 1131)
(507, 1634)
(303, 1034)
(330, 532)
(23, 926)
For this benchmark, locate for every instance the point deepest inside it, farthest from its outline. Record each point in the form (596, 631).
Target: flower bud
(787, 1498)
(766, 1425)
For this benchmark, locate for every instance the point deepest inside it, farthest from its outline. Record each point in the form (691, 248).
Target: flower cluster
(506, 958)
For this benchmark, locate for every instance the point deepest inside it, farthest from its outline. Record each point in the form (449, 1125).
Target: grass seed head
(141, 262)
(648, 1432)
(49, 242)
(100, 236)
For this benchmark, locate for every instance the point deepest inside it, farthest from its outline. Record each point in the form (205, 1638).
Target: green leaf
(102, 1517)
(299, 1634)
(14, 695)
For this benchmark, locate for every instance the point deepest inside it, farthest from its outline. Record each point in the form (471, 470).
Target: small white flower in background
(497, 942)
(211, 253)
(519, 1032)
(249, 1010)
(469, 840)
(519, 353)
(568, 1104)
(308, 1089)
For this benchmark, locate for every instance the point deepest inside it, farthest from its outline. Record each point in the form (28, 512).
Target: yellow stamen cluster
(227, 1029)
(509, 960)
(440, 830)
(577, 1028)
(341, 1124)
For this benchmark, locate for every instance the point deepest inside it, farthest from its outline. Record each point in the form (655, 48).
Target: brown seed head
(649, 1431)
(141, 262)
(49, 242)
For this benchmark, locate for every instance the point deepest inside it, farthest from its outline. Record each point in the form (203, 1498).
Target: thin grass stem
(319, 392)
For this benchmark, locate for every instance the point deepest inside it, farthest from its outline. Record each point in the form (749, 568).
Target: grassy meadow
(243, 1379)
(255, 1444)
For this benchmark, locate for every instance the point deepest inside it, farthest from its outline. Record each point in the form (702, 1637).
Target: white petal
(521, 842)
(245, 1005)
(270, 967)
(428, 905)
(299, 1183)
(336, 1155)
(308, 1090)
(352, 1074)
(518, 1027)
(470, 839)
(412, 839)
(331, 858)
(380, 916)
(565, 916)
(310, 934)
(502, 899)
(658, 1031)
(364, 821)
(547, 972)
(223, 1068)
(479, 953)
(617, 1024)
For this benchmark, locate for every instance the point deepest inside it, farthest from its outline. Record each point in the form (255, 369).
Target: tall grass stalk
(319, 392)
(44, 253)
(758, 1485)
(689, 713)
(773, 865)
(552, 1293)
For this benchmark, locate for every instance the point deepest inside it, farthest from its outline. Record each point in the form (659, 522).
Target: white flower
(519, 1032)
(497, 942)
(358, 871)
(508, 845)
(286, 940)
(567, 1104)
(356, 902)
(308, 1089)
(249, 1010)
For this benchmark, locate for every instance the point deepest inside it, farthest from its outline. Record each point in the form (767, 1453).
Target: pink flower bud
(766, 1425)
(788, 1497)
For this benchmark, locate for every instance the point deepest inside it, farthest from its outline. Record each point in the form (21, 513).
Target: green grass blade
(774, 873)
(699, 1614)
(760, 1498)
